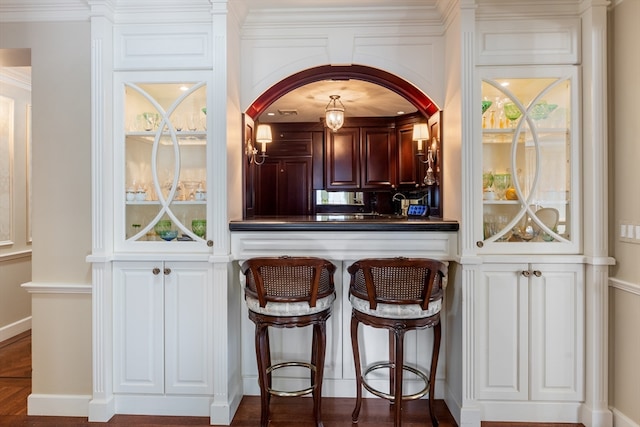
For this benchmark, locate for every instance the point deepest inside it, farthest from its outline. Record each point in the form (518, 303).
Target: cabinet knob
(526, 273)
(537, 273)
(167, 271)
(479, 244)
(155, 271)
(210, 243)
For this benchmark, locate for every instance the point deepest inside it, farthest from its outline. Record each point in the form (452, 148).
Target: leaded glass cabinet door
(162, 184)
(530, 157)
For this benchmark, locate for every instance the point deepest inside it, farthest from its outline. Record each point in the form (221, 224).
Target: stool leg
(432, 374)
(319, 338)
(356, 361)
(398, 363)
(392, 368)
(262, 356)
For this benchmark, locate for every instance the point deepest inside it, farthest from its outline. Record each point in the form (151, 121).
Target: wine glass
(501, 181)
(485, 105)
(512, 112)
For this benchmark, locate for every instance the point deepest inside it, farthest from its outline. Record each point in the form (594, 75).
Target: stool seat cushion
(299, 308)
(396, 311)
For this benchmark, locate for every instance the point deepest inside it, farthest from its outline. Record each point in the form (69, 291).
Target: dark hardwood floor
(15, 387)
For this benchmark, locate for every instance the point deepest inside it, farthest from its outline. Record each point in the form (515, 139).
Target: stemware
(501, 181)
(485, 105)
(512, 112)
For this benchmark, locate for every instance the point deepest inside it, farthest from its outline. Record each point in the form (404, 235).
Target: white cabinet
(163, 336)
(530, 157)
(162, 152)
(529, 324)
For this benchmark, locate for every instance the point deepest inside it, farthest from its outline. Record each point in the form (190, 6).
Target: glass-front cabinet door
(530, 158)
(162, 183)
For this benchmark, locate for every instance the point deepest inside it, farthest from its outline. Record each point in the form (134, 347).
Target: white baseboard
(222, 414)
(621, 420)
(101, 410)
(63, 405)
(15, 328)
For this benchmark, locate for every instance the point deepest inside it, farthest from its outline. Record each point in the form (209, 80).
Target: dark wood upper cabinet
(361, 155)
(342, 163)
(410, 169)
(378, 154)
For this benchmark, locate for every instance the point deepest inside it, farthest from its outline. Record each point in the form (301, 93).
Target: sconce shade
(263, 136)
(334, 113)
(420, 133)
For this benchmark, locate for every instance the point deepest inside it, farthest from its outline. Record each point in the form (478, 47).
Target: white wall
(15, 256)
(624, 391)
(61, 101)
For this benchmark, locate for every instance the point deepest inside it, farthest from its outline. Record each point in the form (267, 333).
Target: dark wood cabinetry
(342, 162)
(361, 155)
(283, 183)
(378, 158)
(374, 155)
(410, 170)
(284, 187)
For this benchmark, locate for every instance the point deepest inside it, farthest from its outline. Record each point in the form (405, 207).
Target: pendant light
(334, 113)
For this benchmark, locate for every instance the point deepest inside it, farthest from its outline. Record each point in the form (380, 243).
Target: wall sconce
(421, 134)
(334, 113)
(263, 136)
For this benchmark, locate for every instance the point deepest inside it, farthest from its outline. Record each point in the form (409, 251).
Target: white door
(557, 332)
(138, 301)
(188, 328)
(501, 325)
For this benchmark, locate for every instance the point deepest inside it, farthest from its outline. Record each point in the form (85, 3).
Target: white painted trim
(222, 413)
(101, 410)
(15, 255)
(633, 288)
(621, 420)
(15, 328)
(57, 288)
(67, 405)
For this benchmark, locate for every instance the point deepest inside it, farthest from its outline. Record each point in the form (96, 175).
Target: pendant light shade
(334, 113)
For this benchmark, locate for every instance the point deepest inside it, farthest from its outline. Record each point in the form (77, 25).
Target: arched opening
(373, 160)
(344, 72)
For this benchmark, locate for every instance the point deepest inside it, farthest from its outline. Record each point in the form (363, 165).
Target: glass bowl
(169, 235)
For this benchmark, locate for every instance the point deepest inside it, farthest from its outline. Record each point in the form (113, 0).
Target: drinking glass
(512, 112)
(501, 181)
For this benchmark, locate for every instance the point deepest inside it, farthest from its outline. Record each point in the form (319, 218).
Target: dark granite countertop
(344, 222)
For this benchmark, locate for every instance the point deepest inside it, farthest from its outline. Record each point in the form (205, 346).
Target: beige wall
(61, 99)
(625, 151)
(15, 258)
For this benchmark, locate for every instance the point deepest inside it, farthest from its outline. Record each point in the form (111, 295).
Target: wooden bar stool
(399, 294)
(289, 292)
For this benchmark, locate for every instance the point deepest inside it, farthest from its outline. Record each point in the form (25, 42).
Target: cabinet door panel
(343, 159)
(557, 332)
(378, 157)
(501, 333)
(138, 329)
(266, 188)
(408, 167)
(188, 331)
(294, 187)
